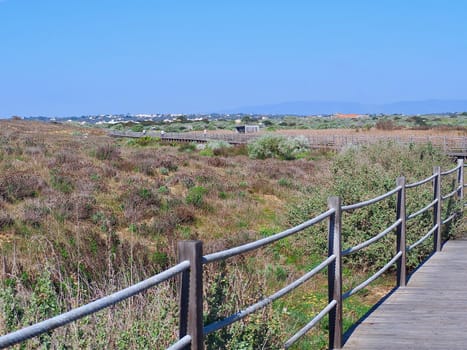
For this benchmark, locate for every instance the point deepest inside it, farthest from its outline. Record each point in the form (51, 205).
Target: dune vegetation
(83, 215)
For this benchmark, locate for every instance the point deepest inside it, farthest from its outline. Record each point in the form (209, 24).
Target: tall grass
(98, 215)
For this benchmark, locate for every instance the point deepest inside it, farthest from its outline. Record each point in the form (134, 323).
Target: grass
(101, 214)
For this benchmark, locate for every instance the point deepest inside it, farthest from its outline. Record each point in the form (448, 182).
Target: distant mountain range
(330, 107)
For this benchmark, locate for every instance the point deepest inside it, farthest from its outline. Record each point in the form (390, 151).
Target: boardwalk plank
(429, 313)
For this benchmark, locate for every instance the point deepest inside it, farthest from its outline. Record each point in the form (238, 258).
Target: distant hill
(329, 107)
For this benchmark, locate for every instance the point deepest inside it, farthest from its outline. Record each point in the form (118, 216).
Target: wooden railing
(450, 144)
(192, 331)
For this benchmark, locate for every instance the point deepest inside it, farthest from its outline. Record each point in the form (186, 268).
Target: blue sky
(75, 57)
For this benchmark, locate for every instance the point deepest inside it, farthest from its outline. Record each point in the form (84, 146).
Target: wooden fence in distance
(449, 144)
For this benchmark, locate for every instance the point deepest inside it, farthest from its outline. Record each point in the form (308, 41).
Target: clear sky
(75, 57)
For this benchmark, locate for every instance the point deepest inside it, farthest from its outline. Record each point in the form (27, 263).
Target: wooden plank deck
(429, 313)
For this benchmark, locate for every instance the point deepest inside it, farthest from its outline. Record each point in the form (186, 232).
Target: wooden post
(401, 270)
(460, 183)
(437, 208)
(335, 273)
(191, 293)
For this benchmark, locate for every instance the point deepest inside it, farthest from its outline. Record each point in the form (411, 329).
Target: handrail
(450, 171)
(448, 144)
(449, 218)
(310, 324)
(181, 343)
(371, 201)
(449, 195)
(372, 278)
(424, 181)
(421, 240)
(372, 240)
(190, 269)
(264, 302)
(90, 308)
(421, 211)
(265, 241)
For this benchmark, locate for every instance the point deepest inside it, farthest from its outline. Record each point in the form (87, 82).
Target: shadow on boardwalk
(429, 313)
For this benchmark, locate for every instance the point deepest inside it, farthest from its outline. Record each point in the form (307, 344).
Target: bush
(195, 196)
(187, 147)
(218, 144)
(107, 152)
(61, 182)
(34, 213)
(217, 162)
(277, 146)
(137, 128)
(385, 125)
(363, 173)
(5, 220)
(144, 141)
(18, 186)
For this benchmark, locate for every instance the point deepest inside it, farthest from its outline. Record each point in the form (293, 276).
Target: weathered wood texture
(429, 313)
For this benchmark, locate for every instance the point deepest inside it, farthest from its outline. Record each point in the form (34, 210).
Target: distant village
(173, 117)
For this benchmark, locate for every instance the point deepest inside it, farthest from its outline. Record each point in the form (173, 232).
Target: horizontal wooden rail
(265, 241)
(372, 240)
(421, 211)
(373, 277)
(371, 201)
(423, 239)
(93, 307)
(451, 144)
(421, 182)
(310, 325)
(264, 302)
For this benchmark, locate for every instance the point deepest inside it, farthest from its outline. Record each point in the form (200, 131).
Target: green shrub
(137, 128)
(196, 195)
(144, 141)
(277, 146)
(218, 144)
(187, 147)
(362, 173)
(61, 182)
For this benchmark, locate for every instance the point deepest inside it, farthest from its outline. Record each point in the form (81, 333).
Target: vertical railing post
(460, 183)
(335, 273)
(401, 270)
(191, 293)
(437, 209)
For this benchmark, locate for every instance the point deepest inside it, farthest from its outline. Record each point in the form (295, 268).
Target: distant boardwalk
(454, 145)
(429, 313)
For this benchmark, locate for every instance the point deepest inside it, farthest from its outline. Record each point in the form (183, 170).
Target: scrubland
(83, 215)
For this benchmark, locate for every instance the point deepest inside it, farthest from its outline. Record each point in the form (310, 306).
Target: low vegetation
(83, 215)
(449, 122)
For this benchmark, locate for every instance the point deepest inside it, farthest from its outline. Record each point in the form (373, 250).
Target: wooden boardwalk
(429, 313)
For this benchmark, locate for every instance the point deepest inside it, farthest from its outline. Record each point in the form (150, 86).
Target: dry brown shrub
(217, 162)
(34, 213)
(34, 151)
(385, 125)
(156, 159)
(66, 156)
(108, 170)
(261, 185)
(107, 152)
(20, 185)
(185, 178)
(5, 219)
(139, 200)
(184, 215)
(76, 207)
